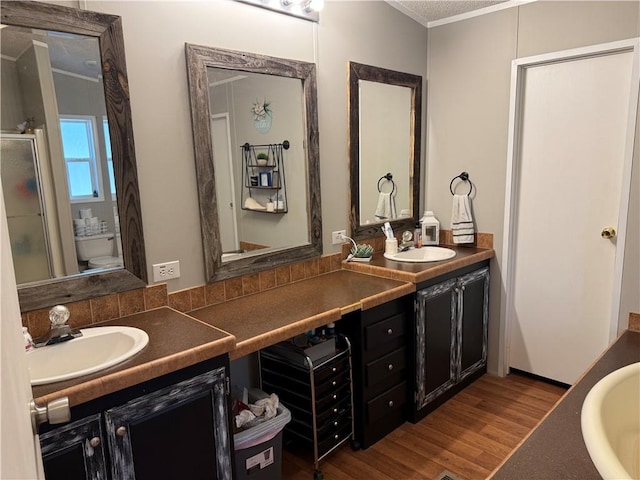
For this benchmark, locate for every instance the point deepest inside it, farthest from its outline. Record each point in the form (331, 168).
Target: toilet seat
(105, 262)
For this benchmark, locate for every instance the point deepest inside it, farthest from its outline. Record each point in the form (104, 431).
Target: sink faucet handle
(58, 315)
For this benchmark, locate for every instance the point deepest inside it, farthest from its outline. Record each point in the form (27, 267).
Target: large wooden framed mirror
(385, 112)
(255, 213)
(60, 39)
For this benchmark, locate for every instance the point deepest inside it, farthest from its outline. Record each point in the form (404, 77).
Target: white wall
(468, 98)
(155, 33)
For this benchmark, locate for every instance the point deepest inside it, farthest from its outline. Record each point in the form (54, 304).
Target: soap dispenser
(430, 229)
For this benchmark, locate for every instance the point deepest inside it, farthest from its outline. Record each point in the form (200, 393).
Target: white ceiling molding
(432, 13)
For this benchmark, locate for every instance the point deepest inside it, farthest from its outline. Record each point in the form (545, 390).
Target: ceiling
(77, 54)
(426, 11)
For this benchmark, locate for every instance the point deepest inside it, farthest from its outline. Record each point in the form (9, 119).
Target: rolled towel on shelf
(462, 220)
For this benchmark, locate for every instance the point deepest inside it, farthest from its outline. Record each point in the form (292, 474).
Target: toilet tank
(94, 246)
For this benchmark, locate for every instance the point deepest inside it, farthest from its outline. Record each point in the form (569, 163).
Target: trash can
(258, 450)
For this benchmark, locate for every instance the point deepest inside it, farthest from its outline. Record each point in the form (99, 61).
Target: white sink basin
(97, 349)
(424, 254)
(611, 423)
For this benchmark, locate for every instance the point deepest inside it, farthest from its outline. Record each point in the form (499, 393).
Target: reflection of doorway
(225, 191)
(573, 115)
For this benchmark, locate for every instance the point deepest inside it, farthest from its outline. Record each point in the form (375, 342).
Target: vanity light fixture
(305, 9)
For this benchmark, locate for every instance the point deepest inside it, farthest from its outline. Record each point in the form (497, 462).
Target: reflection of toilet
(98, 250)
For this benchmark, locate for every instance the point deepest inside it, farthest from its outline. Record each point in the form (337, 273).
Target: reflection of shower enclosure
(22, 187)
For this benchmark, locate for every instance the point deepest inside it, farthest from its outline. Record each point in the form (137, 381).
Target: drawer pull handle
(334, 369)
(336, 436)
(334, 396)
(390, 367)
(95, 442)
(121, 431)
(390, 331)
(334, 383)
(335, 410)
(390, 403)
(335, 424)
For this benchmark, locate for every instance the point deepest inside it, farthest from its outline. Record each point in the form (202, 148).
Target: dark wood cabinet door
(75, 451)
(473, 305)
(436, 332)
(176, 432)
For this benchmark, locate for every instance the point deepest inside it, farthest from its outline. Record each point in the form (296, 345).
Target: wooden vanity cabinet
(75, 451)
(382, 369)
(176, 426)
(450, 346)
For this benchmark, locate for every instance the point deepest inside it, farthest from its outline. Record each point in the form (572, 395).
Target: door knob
(608, 232)
(56, 411)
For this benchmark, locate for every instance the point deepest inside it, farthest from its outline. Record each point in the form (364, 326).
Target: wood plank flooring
(469, 436)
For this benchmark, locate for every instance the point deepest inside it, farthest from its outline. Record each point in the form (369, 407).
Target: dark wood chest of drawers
(381, 367)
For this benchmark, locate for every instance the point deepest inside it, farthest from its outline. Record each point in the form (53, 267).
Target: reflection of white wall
(11, 113)
(385, 136)
(285, 97)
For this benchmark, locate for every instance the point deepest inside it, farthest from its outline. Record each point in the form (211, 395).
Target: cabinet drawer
(384, 331)
(331, 399)
(332, 368)
(387, 402)
(332, 383)
(334, 439)
(387, 366)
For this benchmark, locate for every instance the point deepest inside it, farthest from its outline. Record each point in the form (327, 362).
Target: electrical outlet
(166, 271)
(338, 237)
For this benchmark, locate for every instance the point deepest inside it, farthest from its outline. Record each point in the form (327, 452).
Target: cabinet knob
(334, 369)
(335, 424)
(335, 410)
(334, 383)
(95, 442)
(334, 396)
(390, 403)
(390, 331)
(336, 436)
(390, 367)
(121, 431)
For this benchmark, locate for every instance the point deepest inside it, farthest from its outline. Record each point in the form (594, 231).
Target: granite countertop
(247, 324)
(175, 341)
(555, 448)
(178, 340)
(419, 272)
(269, 317)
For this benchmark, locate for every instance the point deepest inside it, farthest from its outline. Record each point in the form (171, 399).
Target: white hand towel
(462, 220)
(384, 207)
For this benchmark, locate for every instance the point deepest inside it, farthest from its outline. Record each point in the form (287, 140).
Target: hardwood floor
(468, 436)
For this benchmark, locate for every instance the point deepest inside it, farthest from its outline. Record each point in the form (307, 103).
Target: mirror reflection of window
(81, 158)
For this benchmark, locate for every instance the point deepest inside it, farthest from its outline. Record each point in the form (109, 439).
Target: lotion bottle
(430, 229)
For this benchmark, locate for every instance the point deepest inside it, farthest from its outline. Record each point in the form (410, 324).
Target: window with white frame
(107, 144)
(79, 144)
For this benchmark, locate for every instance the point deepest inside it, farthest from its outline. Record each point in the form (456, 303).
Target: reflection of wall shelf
(263, 178)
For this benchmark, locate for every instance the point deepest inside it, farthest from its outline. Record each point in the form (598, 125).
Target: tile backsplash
(109, 307)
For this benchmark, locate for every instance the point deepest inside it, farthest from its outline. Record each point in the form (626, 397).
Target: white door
(225, 191)
(574, 121)
(19, 448)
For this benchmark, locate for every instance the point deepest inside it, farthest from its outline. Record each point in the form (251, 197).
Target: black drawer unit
(381, 368)
(317, 392)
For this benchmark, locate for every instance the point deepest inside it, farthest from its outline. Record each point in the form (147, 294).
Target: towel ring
(389, 178)
(464, 176)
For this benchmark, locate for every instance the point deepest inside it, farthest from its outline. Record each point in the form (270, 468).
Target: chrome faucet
(59, 331)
